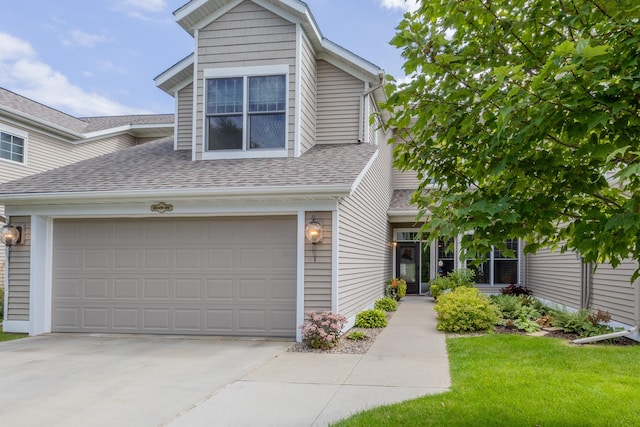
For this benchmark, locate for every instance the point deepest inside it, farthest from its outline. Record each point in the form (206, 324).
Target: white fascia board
(91, 136)
(184, 10)
(295, 5)
(351, 57)
(364, 171)
(174, 69)
(51, 127)
(181, 208)
(267, 192)
(213, 17)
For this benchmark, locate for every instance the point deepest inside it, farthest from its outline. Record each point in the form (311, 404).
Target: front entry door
(408, 265)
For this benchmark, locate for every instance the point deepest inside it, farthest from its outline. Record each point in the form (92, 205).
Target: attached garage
(185, 276)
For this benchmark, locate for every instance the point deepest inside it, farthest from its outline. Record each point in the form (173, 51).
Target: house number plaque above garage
(161, 207)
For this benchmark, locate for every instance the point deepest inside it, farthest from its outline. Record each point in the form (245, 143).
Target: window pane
(267, 93)
(506, 271)
(225, 133)
(266, 131)
(225, 96)
(482, 273)
(11, 147)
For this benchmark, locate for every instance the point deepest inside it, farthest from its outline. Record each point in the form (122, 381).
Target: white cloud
(140, 8)
(410, 5)
(22, 72)
(80, 38)
(148, 5)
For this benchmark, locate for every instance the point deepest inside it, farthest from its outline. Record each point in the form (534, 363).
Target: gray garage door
(198, 276)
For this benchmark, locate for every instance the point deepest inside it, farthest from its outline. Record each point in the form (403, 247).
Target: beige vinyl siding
(405, 180)
(184, 131)
(246, 36)
(612, 291)
(308, 95)
(365, 253)
(318, 273)
(45, 153)
(555, 277)
(338, 105)
(19, 274)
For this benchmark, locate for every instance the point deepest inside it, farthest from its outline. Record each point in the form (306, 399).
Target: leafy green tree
(526, 114)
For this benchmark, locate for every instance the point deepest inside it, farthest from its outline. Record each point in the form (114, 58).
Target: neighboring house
(35, 138)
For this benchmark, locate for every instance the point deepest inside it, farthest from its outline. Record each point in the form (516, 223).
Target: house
(275, 196)
(35, 138)
(204, 232)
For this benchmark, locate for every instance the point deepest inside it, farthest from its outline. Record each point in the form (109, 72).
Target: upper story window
(248, 112)
(12, 146)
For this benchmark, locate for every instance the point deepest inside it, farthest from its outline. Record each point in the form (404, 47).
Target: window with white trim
(246, 113)
(12, 147)
(498, 268)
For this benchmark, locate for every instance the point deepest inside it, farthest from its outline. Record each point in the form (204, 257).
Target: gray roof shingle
(401, 201)
(157, 166)
(75, 124)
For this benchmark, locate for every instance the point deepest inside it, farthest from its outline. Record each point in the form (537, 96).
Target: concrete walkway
(407, 360)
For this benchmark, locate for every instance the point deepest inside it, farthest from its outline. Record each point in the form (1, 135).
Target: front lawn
(6, 336)
(514, 380)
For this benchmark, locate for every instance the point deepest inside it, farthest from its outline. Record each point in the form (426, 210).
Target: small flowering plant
(323, 329)
(395, 288)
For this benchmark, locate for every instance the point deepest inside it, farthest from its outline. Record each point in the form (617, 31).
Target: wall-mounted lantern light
(11, 235)
(313, 233)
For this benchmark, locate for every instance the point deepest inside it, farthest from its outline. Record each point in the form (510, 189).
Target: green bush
(371, 319)
(386, 304)
(583, 322)
(466, 310)
(509, 305)
(455, 279)
(356, 336)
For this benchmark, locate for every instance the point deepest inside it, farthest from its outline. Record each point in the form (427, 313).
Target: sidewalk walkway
(407, 360)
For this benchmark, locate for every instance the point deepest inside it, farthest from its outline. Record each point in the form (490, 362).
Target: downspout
(586, 283)
(633, 333)
(363, 97)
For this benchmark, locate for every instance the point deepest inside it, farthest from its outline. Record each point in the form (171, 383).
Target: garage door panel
(149, 281)
(126, 289)
(126, 259)
(221, 259)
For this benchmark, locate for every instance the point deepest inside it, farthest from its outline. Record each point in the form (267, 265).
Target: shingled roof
(156, 166)
(14, 103)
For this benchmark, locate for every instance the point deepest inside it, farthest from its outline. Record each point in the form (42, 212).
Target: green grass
(513, 380)
(6, 336)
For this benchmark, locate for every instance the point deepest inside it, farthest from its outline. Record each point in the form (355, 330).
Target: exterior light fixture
(11, 235)
(313, 233)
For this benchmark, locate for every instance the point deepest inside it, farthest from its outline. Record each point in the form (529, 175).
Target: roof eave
(243, 193)
(44, 124)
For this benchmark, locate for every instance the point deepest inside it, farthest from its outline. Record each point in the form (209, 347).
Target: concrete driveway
(84, 380)
(88, 380)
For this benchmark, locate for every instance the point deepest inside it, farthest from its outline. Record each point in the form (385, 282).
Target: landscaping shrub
(356, 336)
(371, 319)
(583, 322)
(455, 279)
(466, 310)
(322, 330)
(386, 304)
(509, 305)
(395, 288)
(515, 290)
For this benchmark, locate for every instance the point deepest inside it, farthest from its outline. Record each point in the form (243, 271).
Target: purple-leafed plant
(322, 330)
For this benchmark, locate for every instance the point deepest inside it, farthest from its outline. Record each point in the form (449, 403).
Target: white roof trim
(364, 171)
(123, 129)
(174, 69)
(351, 57)
(32, 119)
(304, 191)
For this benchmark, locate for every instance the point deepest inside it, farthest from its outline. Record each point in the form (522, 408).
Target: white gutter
(123, 129)
(56, 128)
(336, 190)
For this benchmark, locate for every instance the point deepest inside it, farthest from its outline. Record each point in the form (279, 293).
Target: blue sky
(99, 57)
